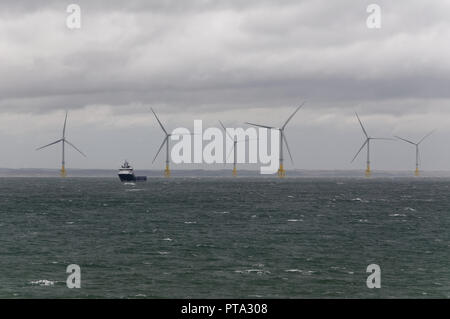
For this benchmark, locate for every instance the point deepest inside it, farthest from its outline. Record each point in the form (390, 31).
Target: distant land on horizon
(76, 172)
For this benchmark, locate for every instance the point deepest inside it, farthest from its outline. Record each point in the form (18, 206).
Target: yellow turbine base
(368, 172)
(234, 172)
(63, 172)
(416, 172)
(281, 172)
(167, 171)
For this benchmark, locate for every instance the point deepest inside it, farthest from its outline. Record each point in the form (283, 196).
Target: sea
(220, 237)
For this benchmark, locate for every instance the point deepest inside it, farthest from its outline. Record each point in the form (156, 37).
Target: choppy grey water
(224, 237)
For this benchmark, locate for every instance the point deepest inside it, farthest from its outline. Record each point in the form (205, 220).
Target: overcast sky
(235, 61)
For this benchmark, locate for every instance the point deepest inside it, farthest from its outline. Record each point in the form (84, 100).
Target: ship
(126, 174)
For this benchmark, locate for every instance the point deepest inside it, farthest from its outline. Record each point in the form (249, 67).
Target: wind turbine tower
(63, 140)
(416, 172)
(234, 149)
(281, 170)
(234, 139)
(367, 142)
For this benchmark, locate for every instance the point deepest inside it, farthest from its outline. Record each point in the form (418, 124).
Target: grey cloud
(228, 54)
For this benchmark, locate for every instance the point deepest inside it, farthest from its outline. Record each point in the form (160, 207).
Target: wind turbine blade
(160, 148)
(226, 132)
(362, 126)
(264, 126)
(426, 136)
(287, 147)
(64, 128)
(404, 139)
(75, 148)
(182, 134)
(160, 124)
(247, 139)
(48, 145)
(290, 117)
(359, 151)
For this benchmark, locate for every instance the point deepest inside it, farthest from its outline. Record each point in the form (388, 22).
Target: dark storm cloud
(225, 54)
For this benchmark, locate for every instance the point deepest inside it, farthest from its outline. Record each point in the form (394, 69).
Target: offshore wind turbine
(165, 142)
(281, 171)
(63, 140)
(367, 142)
(416, 172)
(234, 150)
